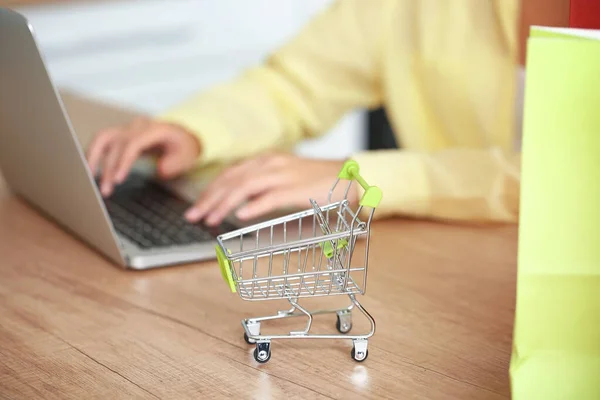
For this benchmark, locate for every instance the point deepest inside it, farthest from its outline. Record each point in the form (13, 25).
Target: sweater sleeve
(475, 185)
(300, 91)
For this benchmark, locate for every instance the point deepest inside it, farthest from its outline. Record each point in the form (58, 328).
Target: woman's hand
(267, 183)
(116, 150)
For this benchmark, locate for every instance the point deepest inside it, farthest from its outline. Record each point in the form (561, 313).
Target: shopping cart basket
(306, 254)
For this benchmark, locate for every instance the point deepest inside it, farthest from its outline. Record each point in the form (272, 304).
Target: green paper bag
(556, 344)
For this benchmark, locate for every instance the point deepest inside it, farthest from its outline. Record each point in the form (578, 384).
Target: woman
(444, 70)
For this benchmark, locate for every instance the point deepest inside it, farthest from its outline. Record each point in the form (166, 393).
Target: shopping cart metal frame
(334, 245)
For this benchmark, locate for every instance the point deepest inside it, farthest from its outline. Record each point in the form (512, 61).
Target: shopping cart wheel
(248, 340)
(262, 353)
(359, 350)
(344, 321)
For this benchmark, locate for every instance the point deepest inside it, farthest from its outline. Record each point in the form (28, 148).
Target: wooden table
(73, 326)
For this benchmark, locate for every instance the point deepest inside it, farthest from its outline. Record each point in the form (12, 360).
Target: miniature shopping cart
(306, 254)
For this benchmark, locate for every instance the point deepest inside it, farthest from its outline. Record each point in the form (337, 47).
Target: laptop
(140, 226)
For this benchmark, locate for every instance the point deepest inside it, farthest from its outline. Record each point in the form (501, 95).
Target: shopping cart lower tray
(302, 255)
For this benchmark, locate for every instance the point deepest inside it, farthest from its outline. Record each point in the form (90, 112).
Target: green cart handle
(372, 195)
(225, 266)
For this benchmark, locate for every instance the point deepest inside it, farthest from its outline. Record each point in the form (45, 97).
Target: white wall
(151, 54)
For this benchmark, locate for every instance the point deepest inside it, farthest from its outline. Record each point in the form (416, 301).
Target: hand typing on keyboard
(116, 150)
(151, 216)
(266, 182)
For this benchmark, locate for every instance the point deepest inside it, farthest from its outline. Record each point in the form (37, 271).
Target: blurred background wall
(150, 54)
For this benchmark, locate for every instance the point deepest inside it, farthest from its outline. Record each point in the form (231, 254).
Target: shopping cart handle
(372, 196)
(225, 265)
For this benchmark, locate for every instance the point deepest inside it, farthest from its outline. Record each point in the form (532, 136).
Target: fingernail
(212, 220)
(120, 178)
(242, 213)
(106, 189)
(192, 214)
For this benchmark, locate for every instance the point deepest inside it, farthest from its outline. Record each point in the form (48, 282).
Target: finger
(138, 143)
(265, 203)
(98, 146)
(109, 167)
(216, 190)
(208, 200)
(226, 182)
(249, 188)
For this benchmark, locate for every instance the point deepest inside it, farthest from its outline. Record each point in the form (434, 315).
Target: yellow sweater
(444, 70)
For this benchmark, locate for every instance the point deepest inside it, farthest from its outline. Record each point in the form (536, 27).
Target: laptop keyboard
(151, 216)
